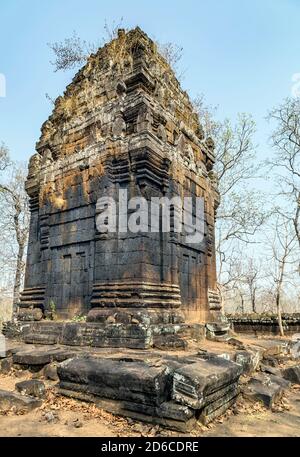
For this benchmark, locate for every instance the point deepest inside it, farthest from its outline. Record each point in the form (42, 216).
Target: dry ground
(60, 416)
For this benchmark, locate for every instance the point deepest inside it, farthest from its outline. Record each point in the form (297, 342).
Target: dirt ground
(63, 417)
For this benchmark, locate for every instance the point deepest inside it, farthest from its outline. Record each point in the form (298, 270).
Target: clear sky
(241, 54)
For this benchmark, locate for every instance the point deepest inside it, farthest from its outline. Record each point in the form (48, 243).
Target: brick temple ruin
(107, 308)
(122, 319)
(123, 123)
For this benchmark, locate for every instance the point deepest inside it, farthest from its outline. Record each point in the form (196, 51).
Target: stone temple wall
(260, 324)
(123, 123)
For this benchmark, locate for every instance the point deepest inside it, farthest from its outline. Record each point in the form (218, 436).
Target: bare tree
(73, 52)
(172, 53)
(286, 141)
(251, 278)
(4, 157)
(282, 260)
(241, 212)
(15, 223)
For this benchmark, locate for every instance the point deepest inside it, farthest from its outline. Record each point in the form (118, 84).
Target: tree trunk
(242, 304)
(253, 301)
(18, 278)
(220, 290)
(253, 305)
(278, 306)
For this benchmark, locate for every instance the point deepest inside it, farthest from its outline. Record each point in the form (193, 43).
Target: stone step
(96, 334)
(156, 302)
(149, 316)
(40, 338)
(169, 415)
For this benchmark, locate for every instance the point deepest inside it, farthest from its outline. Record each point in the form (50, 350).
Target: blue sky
(240, 53)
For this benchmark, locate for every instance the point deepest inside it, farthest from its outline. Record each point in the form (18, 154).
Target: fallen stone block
(172, 410)
(50, 371)
(17, 402)
(194, 383)
(32, 387)
(61, 354)
(217, 331)
(295, 346)
(167, 410)
(292, 374)
(121, 379)
(249, 360)
(6, 365)
(265, 388)
(43, 356)
(271, 370)
(32, 357)
(271, 361)
(236, 343)
(274, 347)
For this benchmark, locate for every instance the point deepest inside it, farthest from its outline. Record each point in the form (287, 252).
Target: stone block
(217, 331)
(194, 383)
(249, 360)
(266, 388)
(292, 374)
(40, 338)
(169, 342)
(127, 379)
(34, 314)
(5, 365)
(32, 357)
(43, 356)
(270, 370)
(32, 387)
(17, 402)
(140, 412)
(50, 371)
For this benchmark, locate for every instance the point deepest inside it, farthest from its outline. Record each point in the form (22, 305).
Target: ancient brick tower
(123, 123)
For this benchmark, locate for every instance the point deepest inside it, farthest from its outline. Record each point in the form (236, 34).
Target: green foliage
(52, 307)
(79, 318)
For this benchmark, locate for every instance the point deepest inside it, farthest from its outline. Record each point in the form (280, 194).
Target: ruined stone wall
(123, 123)
(265, 323)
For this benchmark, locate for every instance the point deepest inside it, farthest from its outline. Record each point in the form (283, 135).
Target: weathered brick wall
(123, 123)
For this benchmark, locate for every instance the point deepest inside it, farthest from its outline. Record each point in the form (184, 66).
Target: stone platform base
(172, 390)
(175, 392)
(137, 335)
